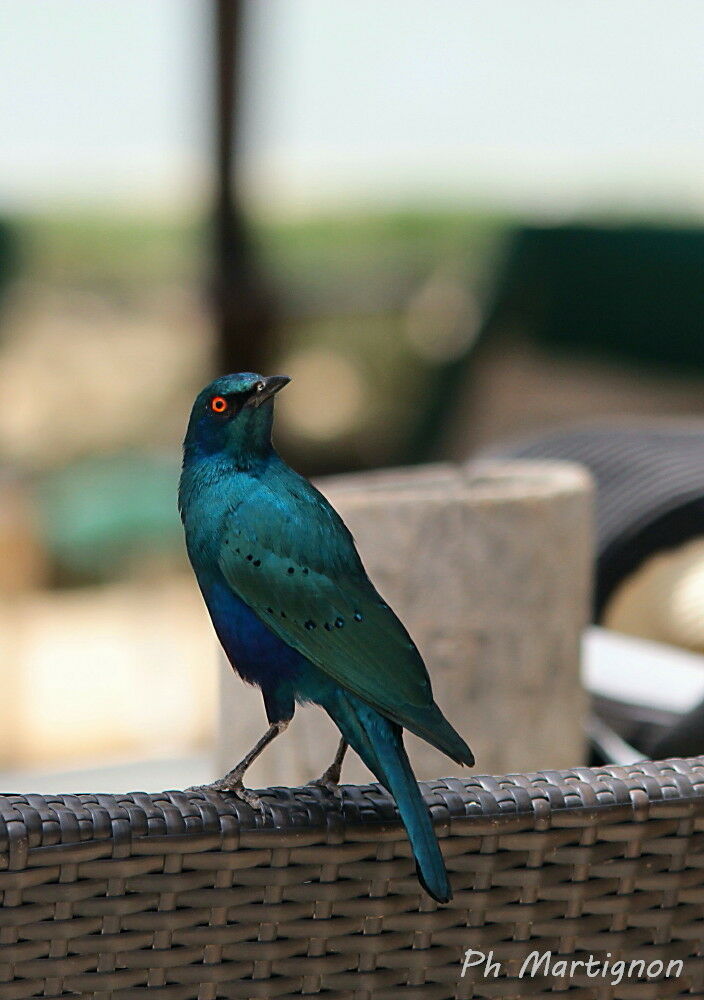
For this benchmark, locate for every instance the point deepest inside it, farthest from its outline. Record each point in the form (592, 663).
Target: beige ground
(94, 674)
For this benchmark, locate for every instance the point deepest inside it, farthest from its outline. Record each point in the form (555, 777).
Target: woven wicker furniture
(192, 895)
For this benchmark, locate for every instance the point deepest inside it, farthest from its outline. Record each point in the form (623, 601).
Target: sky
(547, 105)
(102, 99)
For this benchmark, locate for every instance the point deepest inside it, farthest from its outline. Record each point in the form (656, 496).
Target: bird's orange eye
(218, 404)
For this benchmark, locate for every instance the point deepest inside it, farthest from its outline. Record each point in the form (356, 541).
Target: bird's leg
(330, 778)
(233, 780)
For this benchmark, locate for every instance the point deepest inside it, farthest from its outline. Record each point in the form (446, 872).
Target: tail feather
(403, 786)
(379, 743)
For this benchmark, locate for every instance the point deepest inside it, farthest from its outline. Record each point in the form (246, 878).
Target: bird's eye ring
(218, 404)
(259, 386)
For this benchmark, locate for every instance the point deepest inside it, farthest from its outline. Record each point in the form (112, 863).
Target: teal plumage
(294, 608)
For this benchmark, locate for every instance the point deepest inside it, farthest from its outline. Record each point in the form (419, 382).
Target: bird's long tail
(379, 743)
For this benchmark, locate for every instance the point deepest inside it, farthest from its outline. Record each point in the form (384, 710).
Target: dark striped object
(191, 895)
(649, 487)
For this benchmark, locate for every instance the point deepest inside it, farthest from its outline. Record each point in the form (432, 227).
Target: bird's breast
(256, 653)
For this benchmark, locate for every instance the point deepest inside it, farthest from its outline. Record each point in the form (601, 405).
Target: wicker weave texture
(192, 895)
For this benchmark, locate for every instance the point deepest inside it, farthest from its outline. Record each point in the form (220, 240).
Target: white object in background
(641, 672)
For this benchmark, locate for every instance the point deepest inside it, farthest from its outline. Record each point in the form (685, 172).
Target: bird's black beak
(267, 387)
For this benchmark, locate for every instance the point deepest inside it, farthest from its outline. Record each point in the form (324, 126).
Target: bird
(295, 610)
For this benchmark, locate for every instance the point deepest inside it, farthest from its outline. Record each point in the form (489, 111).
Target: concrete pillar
(489, 566)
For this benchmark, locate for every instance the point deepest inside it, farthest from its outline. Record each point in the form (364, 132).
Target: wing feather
(295, 564)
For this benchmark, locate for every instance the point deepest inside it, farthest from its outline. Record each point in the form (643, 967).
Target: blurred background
(454, 225)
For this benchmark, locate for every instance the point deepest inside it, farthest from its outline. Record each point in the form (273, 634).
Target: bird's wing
(293, 561)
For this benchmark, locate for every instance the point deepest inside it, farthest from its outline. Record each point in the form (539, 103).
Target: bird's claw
(329, 783)
(232, 786)
(237, 789)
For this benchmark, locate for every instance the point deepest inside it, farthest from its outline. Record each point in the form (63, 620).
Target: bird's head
(233, 415)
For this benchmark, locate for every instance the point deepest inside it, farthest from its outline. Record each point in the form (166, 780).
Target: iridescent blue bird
(295, 610)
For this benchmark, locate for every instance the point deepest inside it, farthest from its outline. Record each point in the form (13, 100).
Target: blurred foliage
(110, 252)
(371, 260)
(630, 294)
(373, 309)
(362, 300)
(396, 297)
(80, 247)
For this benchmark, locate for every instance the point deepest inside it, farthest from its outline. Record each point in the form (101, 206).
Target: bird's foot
(232, 784)
(237, 789)
(330, 781)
